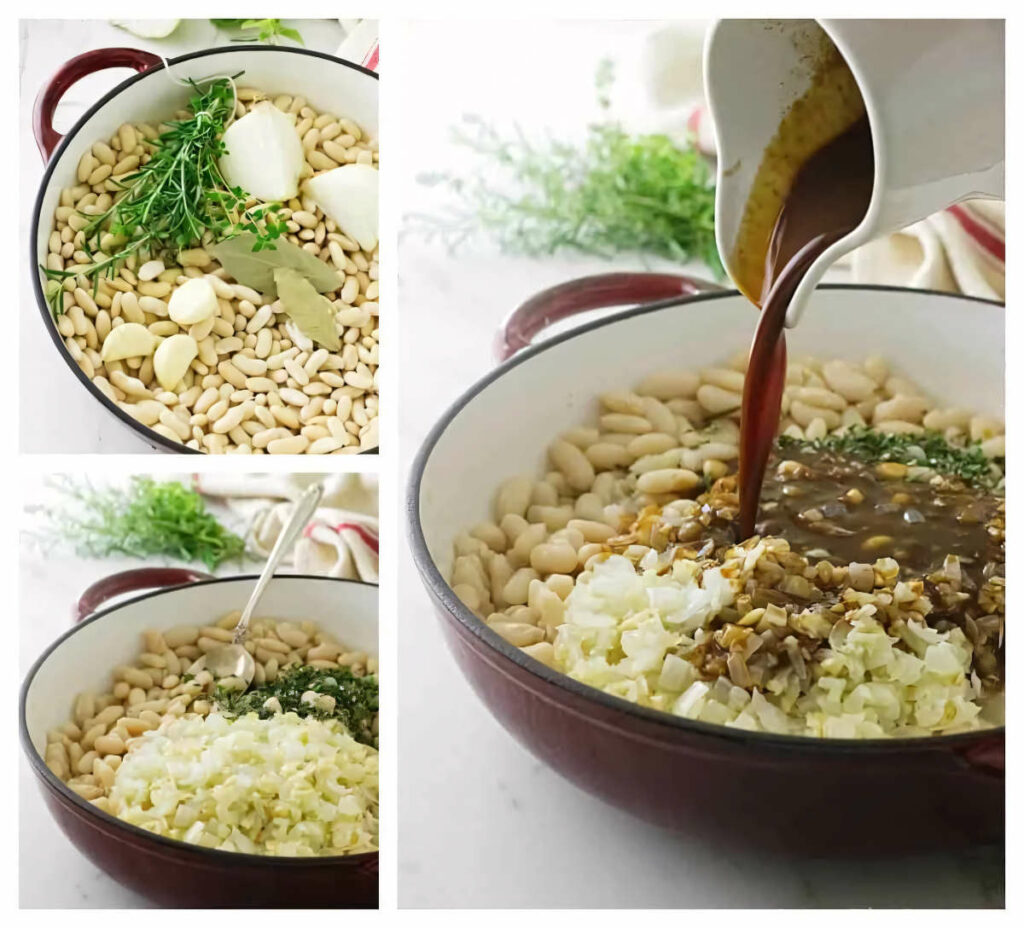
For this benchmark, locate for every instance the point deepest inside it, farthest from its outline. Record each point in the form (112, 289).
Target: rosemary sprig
(173, 200)
(928, 450)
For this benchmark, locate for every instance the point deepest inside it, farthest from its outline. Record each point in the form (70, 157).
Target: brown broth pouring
(828, 200)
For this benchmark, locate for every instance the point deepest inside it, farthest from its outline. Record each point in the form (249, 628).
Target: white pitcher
(934, 94)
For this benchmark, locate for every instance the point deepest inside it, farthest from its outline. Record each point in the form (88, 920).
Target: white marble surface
(57, 413)
(481, 823)
(52, 873)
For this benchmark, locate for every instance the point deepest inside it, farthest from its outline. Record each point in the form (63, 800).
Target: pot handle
(988, 757)
(69, 73)
(585, 293)
(128, 581)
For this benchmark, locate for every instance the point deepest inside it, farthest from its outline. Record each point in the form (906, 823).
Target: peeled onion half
(349, 196)
(264, 154)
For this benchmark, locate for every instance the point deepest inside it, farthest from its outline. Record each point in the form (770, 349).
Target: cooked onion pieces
(629, 632)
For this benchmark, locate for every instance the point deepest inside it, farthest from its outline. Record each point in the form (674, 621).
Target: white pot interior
(330, 86)
(84, 661)
(952, 347)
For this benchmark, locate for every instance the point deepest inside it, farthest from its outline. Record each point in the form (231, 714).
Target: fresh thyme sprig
(173, 200)
(613, 193)
(928, 450)
(150, 518)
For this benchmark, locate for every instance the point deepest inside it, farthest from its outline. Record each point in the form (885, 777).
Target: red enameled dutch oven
(786, 792)
(331, 84)
(171, 873)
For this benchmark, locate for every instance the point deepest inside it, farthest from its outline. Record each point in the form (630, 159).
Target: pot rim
(64, 792)
(147, 434)
(440, 589)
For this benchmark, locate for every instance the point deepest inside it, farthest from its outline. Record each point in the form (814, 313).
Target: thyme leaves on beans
(151, 518)
(615, 192)
(355, 698)
(174, 200)
(931, 450)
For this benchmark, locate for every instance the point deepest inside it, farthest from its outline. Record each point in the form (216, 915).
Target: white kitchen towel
(342, 538)
(361, 43)
(961, 249)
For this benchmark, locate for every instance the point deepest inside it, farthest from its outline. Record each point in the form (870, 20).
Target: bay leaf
(311, 312)
(256, 268)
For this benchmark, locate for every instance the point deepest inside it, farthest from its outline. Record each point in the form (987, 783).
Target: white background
(481, 822)
(58, 414)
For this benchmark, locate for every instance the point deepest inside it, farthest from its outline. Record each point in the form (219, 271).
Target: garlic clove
(131, 340)
(172, 359)
(194, 301)
(263, 153)
(349, 196)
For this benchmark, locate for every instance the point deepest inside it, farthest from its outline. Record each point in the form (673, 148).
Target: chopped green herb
(355, 698)
(928, 450)
(614, 193)
(150, 518)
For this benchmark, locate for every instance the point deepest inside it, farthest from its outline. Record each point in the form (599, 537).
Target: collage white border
(398, 157)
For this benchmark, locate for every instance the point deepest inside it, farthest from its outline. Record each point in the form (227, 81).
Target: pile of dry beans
(257, 385)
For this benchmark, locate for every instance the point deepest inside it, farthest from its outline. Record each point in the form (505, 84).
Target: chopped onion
(348, 195)
(283, 786)
(628, 631)
(264, 154)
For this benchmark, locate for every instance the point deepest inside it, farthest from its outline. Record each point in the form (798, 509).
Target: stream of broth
(827, 199)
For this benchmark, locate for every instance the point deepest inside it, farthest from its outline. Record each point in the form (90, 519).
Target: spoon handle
(300, 515)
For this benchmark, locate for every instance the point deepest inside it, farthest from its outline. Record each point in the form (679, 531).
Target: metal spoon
(232, 660)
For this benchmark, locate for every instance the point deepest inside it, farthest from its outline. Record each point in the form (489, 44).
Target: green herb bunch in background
(270, 31)
(612, 193)
(148, 519)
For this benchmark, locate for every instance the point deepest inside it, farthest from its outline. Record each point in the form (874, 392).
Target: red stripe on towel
(985, 238)
(368, 537)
